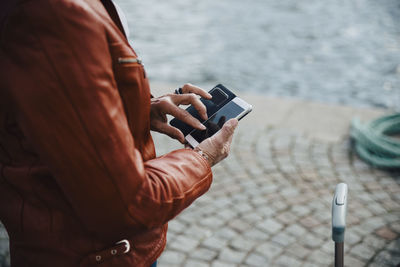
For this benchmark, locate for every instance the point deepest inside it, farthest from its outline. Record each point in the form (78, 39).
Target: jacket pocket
(133, 87)
(127, 66)
(125, 63)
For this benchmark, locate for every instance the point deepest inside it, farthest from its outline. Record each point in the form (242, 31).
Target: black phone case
(211, 109)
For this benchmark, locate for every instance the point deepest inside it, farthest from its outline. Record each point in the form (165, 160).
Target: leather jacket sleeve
(63, 91)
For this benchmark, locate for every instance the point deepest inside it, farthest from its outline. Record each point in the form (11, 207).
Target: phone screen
(219, 98)
(216, 121)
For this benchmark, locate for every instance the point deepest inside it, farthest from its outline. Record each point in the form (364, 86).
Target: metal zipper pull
(122, 60)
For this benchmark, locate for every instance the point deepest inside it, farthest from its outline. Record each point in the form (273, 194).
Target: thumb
(228, 129)
(217, 147)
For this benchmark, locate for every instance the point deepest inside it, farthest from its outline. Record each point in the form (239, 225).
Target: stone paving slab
(270, 202)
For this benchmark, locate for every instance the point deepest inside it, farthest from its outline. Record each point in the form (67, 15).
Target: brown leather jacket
(77, 162)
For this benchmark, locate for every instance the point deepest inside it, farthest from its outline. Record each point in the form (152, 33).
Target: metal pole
(339, 208)
(339, 254)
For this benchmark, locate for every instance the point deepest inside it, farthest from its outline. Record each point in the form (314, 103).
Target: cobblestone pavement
(270, 204)
(4, 250)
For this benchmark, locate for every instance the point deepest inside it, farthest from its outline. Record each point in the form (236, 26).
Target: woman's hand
(217, 147)
(168, 104)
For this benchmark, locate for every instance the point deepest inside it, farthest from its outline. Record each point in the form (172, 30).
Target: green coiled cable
(375, 143)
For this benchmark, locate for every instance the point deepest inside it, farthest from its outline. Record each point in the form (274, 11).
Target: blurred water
(343, 51)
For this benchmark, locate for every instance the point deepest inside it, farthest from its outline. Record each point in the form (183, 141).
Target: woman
(80, 183)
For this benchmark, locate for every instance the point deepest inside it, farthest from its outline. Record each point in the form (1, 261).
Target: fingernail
(203, 127)
(209, 95)
(234, 122)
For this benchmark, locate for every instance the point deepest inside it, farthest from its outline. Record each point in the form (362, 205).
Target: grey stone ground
(270, 201)
(345, 51)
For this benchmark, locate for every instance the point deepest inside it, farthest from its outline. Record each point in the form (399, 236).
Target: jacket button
(98, 258)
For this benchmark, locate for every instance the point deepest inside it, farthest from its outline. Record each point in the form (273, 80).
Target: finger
(190, 88)
(185, 116)
(226, 132)
(191, 99)
(172, 132)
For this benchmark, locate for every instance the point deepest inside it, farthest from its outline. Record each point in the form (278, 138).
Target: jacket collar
(112, 11)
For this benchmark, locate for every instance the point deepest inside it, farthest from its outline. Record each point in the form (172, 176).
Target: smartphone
(236, 108)
(220, 96)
